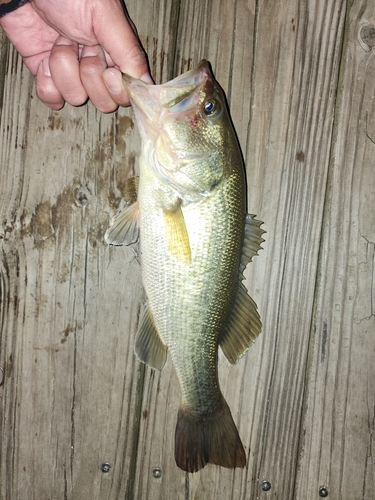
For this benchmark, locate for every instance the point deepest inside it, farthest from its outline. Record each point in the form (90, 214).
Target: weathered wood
(73, 387)
(337, 435)
(299, 80)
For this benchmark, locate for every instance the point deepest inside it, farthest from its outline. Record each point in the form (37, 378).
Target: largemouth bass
(195, 242)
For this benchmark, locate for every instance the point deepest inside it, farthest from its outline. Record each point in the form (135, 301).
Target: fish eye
(210, 107)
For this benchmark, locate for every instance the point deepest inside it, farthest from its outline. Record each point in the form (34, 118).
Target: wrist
(9, 6)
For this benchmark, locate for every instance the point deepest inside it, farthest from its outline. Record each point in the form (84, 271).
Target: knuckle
(89, 67)
(50, 96)
(77, 99)
(63, 54)
(107, 108)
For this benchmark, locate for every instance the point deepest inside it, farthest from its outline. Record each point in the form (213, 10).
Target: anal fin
(149, 347)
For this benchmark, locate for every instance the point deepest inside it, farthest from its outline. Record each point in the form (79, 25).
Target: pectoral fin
(176, 235)
(243, 327)
(148, 345)
(124, 228)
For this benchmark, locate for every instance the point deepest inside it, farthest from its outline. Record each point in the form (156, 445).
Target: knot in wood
(82, 196)
(367, 36)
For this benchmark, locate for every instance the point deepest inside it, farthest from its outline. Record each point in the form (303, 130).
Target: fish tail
(212, 438)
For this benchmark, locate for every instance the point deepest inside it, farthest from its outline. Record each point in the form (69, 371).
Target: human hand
(77, 50)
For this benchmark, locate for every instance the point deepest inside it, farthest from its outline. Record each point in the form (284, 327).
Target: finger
(91, 69)
(112, 78)
(45, 88)
(64, 65)
(115, 33)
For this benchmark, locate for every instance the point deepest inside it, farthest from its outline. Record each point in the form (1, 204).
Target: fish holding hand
(195, 242)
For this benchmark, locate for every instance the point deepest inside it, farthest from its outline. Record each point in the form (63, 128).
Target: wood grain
(337, 435)
(299, 78)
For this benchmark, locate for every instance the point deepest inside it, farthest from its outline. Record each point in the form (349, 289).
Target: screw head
(157, 472)
(266, 486)
(105, 467)
(323, 492)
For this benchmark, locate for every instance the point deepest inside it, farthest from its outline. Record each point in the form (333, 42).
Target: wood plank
(203, 32)
(283, 125)
(74, 395)
(294, 100)
(338, 429)
(72, 391)
(4, 47)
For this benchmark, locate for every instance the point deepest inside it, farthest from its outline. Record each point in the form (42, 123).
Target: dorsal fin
(244, 323)
(252, 240)
(243, 326)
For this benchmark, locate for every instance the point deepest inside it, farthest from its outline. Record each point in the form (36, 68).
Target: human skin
(77, 50)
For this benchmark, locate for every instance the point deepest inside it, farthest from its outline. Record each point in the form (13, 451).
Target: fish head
(185, 128)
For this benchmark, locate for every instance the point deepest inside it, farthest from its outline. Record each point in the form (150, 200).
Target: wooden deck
(300, 80)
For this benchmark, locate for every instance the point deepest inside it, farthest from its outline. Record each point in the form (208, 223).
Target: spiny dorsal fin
(252, 240)
(176, 235)
(148, 345)
(243, 327)
(124, 228)
(244, 323)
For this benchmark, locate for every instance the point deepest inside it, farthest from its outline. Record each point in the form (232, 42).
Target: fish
(188, 211)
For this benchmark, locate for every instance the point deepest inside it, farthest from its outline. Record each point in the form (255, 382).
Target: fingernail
(147, 79)
(112, 82)
(61, 40)
(90, 51)
(45, 67)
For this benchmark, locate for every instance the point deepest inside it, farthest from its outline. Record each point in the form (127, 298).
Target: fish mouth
(177, 99)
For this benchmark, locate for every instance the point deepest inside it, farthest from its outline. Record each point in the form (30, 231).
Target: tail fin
(211, 438)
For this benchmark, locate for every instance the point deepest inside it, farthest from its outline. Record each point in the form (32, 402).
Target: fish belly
(190, 304)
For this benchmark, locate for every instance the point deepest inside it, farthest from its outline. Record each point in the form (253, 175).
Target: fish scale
(195, 241)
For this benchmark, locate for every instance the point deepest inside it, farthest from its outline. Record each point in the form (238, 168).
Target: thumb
(115, 33)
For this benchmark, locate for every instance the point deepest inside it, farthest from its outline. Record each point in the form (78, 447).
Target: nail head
(266, 486)
(106, 467)
(157, 472)
(323, 492)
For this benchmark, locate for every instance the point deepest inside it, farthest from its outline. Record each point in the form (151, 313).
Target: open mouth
(153, 103)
